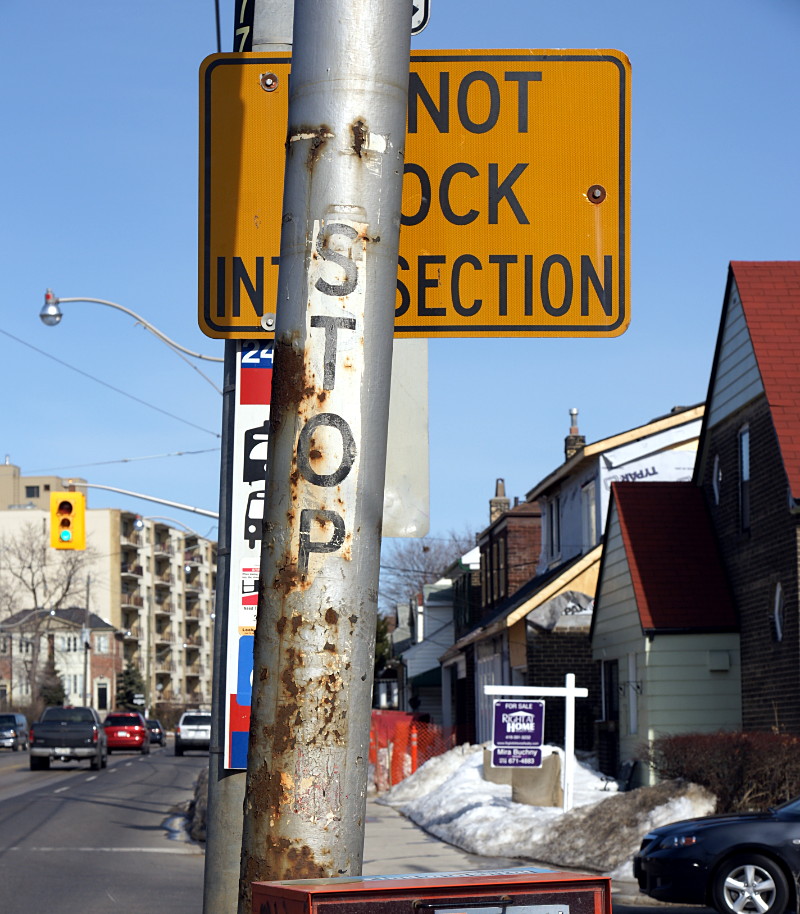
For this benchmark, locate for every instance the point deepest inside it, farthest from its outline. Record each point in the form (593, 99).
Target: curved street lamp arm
(160, 501)
(146, 324)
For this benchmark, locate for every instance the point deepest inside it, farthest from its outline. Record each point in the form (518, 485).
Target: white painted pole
(569, 741)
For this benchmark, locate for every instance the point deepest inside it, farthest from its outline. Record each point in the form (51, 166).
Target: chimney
(574, 441)
(499, 504)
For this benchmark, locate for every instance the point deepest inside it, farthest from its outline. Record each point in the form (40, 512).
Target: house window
(589, 515)
(554, 527)
(502, 567)
(101, 644)
(744, 477)
(716, 479)
(494, 571)
(610, 684)
(633, 696)
(31, 491)
(778, 613)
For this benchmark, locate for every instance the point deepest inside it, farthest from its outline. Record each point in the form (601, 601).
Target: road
(78, 841)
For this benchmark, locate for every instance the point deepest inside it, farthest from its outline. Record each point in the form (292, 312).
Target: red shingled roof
(675, 567)
(770, 294)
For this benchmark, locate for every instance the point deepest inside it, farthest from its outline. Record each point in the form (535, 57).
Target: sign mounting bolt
(268, 322)
(596, 193)
(268, 82)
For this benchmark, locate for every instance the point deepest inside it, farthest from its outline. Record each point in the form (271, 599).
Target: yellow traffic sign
(515, 217)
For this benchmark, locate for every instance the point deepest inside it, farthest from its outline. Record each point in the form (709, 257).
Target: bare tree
(408, 564)
(36, 577)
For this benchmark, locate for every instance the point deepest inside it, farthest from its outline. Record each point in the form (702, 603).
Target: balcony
(131, 599)
(192, 611)
(163, 548)
(164, 638)
(166, 579)
(164, 666)
(164, 608)
(134, 633)
(194, 670)
(131, 570)
(193, 642)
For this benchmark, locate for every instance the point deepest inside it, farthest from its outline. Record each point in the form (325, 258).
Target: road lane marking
(92, 778)
(60, 789)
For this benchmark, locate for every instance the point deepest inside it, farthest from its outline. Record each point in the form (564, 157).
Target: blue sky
(99, 198)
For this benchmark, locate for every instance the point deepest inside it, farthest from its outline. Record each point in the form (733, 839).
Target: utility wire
(106, 384)
(102, 463)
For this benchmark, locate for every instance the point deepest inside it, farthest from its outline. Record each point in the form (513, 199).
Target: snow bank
(449, 798)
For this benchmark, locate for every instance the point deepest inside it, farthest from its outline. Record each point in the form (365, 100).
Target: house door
(608, 726)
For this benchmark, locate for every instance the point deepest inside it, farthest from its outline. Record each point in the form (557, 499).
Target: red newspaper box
(522, 890)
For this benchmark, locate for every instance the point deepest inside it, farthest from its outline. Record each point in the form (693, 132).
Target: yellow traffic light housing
(67, 520)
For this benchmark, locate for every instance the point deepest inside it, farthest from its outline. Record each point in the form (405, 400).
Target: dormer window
(554, 527)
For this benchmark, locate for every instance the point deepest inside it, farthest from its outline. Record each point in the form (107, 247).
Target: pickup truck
(67, 734)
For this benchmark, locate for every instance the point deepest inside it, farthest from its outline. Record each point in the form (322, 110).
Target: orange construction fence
(400, 742)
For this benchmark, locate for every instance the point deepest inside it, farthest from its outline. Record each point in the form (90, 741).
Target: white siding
(617, 630)
(737, 379)
(677, 688)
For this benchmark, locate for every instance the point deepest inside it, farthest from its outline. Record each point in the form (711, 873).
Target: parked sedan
(738, 864)
(157, 733)
(127, 730)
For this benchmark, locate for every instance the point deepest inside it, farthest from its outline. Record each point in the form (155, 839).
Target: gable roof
(71, 615)
(680, 415)
(675, 566)
(770, 296)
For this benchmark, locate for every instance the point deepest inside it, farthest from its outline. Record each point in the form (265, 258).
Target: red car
(127, 730)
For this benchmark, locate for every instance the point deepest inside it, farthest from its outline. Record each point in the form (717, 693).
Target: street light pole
(81, 484)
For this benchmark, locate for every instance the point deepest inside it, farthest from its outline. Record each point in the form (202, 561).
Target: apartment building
(151, 581)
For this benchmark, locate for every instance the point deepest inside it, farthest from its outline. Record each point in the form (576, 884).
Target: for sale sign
(517, 734)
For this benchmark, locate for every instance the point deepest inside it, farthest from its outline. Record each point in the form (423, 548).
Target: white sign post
(569, 693)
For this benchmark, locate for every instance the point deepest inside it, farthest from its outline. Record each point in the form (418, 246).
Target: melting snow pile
(449, 798)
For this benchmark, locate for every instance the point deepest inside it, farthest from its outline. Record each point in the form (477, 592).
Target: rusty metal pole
(312, 679)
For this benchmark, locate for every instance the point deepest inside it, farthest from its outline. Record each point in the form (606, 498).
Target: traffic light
(67, 520)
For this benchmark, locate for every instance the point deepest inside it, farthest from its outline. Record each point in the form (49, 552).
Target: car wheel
(39, 764)
(750, 883)
(178, 749)
(15, 748)
(104, 761)
(95, 763)
(145, 748)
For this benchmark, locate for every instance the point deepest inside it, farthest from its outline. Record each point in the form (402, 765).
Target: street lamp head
(50, 313)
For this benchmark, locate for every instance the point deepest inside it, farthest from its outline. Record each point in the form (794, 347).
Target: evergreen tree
(51, 688)
(129, 684)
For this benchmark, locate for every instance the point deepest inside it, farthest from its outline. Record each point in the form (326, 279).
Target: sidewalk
(394, 844)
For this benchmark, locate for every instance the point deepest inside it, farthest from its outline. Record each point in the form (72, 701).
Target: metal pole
(312, 677)
(86, 644)
(225, 788)
(268, 25)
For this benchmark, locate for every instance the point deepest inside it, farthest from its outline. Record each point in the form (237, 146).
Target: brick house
(747, 477)
(29, 638)
(749, 470)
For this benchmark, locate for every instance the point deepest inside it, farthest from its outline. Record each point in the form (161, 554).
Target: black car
(748, 862)
(157, 733)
